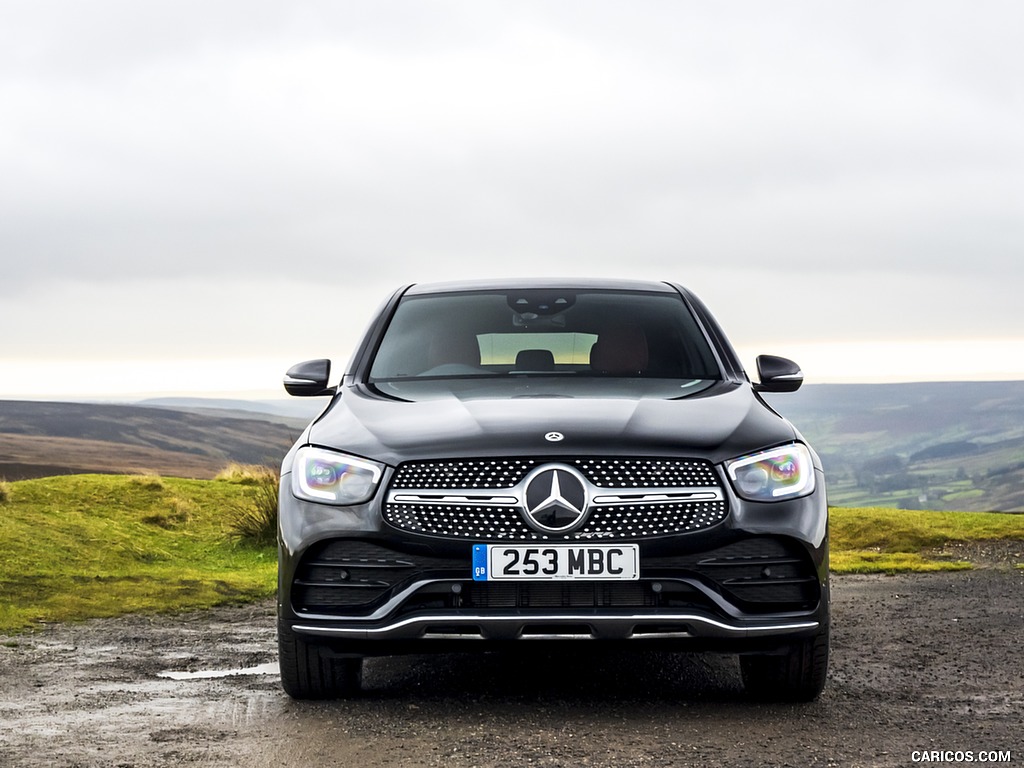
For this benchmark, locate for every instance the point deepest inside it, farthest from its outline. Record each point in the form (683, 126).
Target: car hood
(727, 421)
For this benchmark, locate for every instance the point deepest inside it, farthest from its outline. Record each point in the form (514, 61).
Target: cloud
(798, 154)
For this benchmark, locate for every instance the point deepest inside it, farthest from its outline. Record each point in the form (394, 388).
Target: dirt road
(920, 663)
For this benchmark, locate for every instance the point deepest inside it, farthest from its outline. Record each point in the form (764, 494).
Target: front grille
(482, 523)
(482, 519)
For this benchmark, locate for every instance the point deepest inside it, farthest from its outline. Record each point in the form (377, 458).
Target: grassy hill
(39, 439)
(946, 446)
(951, 446)
(87, 546)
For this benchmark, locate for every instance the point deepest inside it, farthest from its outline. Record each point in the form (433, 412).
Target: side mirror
(309, 379)
(778, 374)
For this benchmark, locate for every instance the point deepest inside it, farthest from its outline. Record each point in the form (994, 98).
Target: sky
(195, 195)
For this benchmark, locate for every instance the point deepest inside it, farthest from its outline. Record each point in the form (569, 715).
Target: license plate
(500, 562)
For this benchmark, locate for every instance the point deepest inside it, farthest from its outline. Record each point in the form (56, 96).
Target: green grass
(247, 474)
(87, 546)
(880, 540)
(254, 519)
(867, 561)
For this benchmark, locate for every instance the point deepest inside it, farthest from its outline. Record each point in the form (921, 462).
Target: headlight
(773, 475)
(333, 478)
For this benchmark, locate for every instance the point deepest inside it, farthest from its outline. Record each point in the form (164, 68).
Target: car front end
(647, 497)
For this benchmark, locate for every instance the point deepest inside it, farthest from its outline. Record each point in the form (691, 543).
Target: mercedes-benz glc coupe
(527, 461)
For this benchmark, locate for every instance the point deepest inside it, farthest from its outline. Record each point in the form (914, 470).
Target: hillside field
(946, 446)
(40, 439)
(87, 546)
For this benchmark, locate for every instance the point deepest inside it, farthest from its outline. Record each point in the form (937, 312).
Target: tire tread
(311, 671)
(796, 676)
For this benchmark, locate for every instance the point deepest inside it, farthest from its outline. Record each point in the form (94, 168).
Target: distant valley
(946, 446)
(951, 446)
(38, 439)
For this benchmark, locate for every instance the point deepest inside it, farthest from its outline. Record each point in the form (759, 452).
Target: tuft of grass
(880, 540)
(178, 514)
(247, 474)
(5, 491)
(150, 481)
(254, 520)
(90, 546)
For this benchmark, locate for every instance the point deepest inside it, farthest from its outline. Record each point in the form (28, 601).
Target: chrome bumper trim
(555, 626)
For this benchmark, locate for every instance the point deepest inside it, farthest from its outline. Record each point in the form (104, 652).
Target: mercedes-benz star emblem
(554, 437)
(556, 498)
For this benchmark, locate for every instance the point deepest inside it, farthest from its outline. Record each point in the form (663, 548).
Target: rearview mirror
(309, 379)
(778, 374)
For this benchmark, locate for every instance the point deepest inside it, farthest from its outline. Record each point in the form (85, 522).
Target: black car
(540, 460)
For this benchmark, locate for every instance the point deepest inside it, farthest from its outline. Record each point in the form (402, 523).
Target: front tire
(312, 671)
(797, 675)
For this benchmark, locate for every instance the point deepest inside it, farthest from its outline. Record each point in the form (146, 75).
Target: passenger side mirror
(778, 374)
(309, 379)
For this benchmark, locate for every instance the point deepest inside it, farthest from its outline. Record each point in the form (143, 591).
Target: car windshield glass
(554, 343)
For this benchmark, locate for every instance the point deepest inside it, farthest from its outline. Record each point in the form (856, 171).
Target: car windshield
(543, 343)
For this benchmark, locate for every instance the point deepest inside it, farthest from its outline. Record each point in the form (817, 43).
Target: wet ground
(920, 663)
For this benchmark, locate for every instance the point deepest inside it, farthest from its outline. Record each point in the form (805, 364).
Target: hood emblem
(556, 498)
(554, 437)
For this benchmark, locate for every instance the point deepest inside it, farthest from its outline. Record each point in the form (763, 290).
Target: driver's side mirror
(778, 374)
(309, 379)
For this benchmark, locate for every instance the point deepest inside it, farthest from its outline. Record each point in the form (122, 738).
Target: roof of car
(554, 283)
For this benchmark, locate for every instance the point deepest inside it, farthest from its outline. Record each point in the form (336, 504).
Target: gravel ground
(923, 662)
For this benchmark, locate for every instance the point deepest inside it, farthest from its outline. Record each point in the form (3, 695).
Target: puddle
(270, 668)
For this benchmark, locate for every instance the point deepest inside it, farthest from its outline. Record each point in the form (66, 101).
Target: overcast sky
(195, 194)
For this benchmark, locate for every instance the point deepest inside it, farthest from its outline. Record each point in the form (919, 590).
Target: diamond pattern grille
(484, 522)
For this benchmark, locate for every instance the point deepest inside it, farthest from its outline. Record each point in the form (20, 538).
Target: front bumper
(753, 583)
